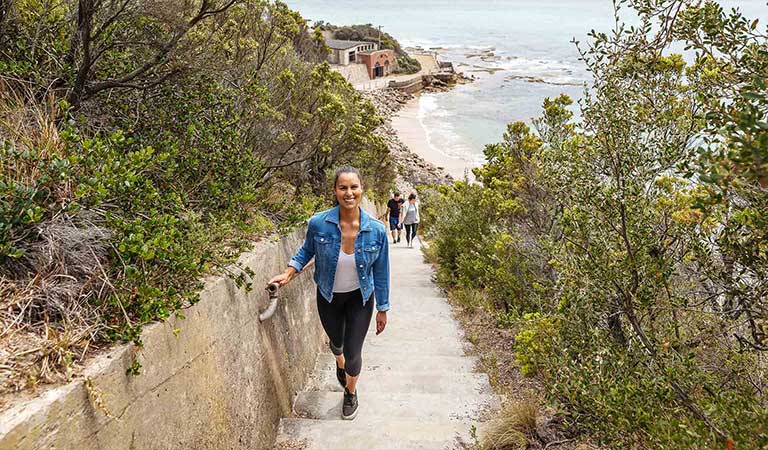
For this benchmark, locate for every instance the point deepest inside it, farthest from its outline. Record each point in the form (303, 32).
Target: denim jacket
(323, 241)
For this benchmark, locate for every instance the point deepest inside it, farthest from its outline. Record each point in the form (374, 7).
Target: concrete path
(418, 389)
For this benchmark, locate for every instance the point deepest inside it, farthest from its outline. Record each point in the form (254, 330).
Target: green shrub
(407, 65)
(470, 298)
(534, 340)
(631, 242)
(129, 171)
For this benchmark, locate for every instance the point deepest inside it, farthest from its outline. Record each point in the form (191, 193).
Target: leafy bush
(407, 65)
(534, 341)
(149, 150)
(628, 248)
(470, 298)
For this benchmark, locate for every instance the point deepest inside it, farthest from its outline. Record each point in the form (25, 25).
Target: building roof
(371, 52)
(337, 44)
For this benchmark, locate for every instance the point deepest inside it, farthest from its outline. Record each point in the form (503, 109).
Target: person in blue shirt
(351, 252)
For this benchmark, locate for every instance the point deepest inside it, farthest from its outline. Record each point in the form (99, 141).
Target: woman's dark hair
(412, 196)
(346, 169)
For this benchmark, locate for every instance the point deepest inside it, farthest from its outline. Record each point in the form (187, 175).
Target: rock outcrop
(444, 81)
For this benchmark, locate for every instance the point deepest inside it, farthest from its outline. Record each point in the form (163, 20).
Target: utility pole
(379, 37)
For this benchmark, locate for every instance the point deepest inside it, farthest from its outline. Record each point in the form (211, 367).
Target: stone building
(378, 63)
(345, 52)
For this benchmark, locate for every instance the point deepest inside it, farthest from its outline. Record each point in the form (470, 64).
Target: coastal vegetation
(369, 33)
(628, 249)
(144, 144)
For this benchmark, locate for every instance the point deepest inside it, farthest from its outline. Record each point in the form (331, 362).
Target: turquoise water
(527, 44)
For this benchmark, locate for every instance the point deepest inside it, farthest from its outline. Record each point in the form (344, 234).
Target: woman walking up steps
(351, 254)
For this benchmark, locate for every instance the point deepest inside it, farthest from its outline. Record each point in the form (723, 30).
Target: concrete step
(418, 407)
(418, 388)
(401, 361)
(429, 346)
(423, 321)
(307, 434)
(416, 295)
(397, 330)
(419, 319)
(414, 292)
(439, 309)
(416, 278)
(406, 317)
(433, 382)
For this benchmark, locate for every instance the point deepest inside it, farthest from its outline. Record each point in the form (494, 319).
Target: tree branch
(164, 51)
(110, 20)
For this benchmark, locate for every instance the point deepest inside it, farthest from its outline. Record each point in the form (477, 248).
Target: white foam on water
(441, 134)
(548, 71)
(438, 45)
(502, 59)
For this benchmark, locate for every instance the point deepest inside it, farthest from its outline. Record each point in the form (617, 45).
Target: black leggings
(410, 231)
(346, 322)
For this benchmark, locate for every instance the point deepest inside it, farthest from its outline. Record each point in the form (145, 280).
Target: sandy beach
(412, 133)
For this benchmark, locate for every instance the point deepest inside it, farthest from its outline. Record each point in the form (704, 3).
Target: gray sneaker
(349, 408)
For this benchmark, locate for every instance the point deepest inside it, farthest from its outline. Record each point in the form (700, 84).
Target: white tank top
(346, 274)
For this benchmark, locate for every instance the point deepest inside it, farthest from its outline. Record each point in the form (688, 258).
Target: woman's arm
(306, 252)
(299, 260)
(381, 284)
(381, 275)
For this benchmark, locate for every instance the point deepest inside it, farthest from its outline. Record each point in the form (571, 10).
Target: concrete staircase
(418, 389)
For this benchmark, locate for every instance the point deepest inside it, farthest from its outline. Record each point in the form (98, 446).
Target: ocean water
(520, 52)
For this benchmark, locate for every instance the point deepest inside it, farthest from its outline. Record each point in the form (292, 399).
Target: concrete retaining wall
(218, 379)
(411, 86)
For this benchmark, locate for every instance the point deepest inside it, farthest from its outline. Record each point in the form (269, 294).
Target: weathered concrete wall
(218, 379)
(411, 86)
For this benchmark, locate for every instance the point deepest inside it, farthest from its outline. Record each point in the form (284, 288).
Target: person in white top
(351, 251)
(411, 218)
(345, 279)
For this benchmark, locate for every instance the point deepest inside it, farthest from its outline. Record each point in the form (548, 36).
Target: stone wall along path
(418, 388)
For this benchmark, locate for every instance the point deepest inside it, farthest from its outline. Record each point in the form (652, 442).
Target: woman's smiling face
(348, 190)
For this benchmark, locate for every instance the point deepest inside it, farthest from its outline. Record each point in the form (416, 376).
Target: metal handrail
(272, 289)
(272, 292)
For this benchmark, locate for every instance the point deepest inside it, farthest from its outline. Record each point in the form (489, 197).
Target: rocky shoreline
(412, 169)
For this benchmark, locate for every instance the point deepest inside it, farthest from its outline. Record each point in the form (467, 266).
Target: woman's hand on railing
(272, 289)
(284, 278)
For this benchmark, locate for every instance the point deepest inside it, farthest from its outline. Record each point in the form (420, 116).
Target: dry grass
(514, 428)
(48, 317)
(26, 123)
